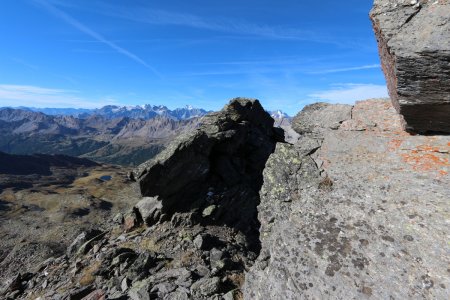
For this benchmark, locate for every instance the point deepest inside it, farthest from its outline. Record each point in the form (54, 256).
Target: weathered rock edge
(414, 47)
(225, 155)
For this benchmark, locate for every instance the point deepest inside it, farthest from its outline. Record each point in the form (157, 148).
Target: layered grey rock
(354, 211)
(225, 156)
(317, 117)
(414, 46)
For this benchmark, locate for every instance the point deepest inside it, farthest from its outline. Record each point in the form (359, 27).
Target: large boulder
(414, 46)
(317, 117)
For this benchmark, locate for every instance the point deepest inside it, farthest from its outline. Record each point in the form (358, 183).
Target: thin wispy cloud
(35, 96)
(147, 15)
(248, 71)
(92, 51)
(42, 70)
(349, 69)
(81, 27)
(24, 63)
(349, 93)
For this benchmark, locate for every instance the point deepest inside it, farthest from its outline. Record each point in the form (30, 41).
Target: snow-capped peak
(278, 114)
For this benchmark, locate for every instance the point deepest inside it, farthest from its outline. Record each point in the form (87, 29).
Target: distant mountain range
(121, 140)
(125, 135)
(145, 112)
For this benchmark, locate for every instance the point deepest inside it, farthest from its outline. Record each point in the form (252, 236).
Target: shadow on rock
(215, 172)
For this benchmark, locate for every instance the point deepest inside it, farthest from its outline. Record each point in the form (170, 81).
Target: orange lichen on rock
(428, 148)
(421, 161)
(394, 144)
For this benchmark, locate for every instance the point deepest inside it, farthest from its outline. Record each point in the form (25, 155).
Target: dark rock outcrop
(414, 47)
(225, 156)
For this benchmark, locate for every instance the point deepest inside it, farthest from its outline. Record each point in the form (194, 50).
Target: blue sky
(287, 53)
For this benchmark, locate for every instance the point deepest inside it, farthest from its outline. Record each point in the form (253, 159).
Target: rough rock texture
(355, 210)
(315, 118)
(193, 234)
(414, 46)
(226, 155)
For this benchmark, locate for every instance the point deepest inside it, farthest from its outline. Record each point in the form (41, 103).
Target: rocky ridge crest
(357, 208)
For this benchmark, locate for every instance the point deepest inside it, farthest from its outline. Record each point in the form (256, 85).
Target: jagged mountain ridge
(145, 112)
(122, 140)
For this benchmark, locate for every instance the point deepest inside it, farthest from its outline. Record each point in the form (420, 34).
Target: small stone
(89, 244)
(95, 295)
(198, 242)
(122, 257)
(81, 293)
(204, 241)
(209, 210)
(130, 222)
(205, 287)
(202, 271)
(139, 268)
(140, 290)
(230, 295)
(149, 209)
(118, 218)
(179, 294)
(121, 238)
(125, 284)
(81, 239)
(162, 289)
(215, 255)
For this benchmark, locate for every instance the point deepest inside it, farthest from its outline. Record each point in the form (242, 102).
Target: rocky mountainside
(342, 204)
(180, 240)
(354, 208)
(47, 200)
(414, 46)
(120, 141)
(145, 112)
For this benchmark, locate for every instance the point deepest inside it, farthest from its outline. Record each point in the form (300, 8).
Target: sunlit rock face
(355, 209)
